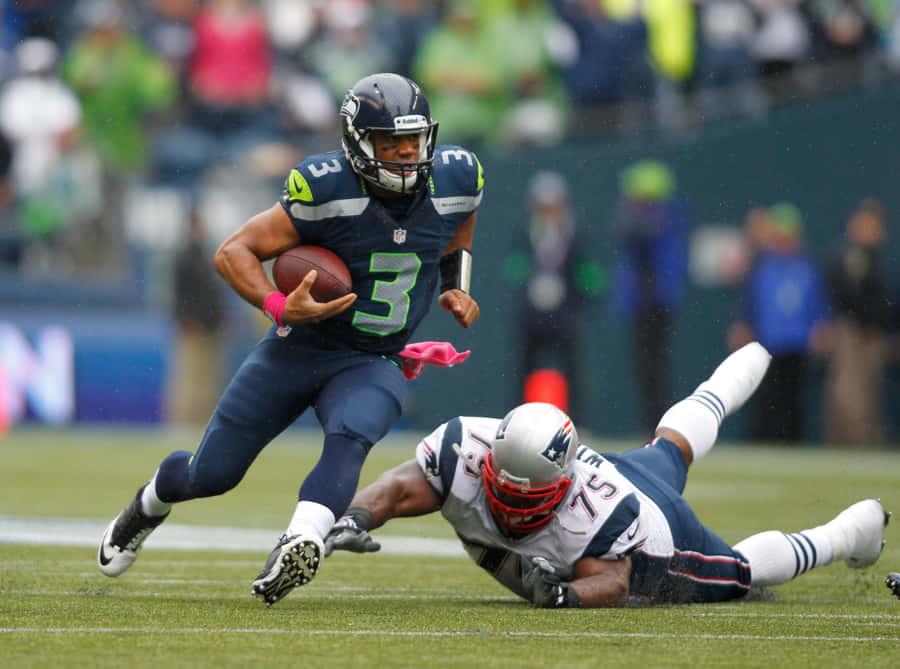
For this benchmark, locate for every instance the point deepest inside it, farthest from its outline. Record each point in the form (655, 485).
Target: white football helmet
(527, 473)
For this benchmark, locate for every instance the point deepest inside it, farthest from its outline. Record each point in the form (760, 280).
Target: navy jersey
(392, 247)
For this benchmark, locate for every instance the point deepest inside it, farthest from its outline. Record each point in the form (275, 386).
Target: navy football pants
(704, 567)
(357, 398)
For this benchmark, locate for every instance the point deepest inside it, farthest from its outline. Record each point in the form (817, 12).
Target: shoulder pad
(458, 170)
(320, 178)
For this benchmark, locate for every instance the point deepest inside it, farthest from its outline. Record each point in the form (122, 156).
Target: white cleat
(860, 528)
(124, 536)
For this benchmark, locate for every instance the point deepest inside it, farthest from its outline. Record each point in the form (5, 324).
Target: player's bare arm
(239, 260)
(602, 583)
(398, 493)
(458, 302)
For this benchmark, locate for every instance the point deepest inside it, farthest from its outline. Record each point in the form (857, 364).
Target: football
(332, 281)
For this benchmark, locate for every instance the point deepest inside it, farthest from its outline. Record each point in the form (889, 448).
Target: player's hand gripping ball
(332, 279)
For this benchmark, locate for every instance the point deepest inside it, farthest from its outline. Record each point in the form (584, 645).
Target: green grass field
(193, 608)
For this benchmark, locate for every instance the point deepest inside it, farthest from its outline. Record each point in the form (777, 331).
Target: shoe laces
(134, 529)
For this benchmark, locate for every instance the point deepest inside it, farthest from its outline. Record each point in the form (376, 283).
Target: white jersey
(603, 514)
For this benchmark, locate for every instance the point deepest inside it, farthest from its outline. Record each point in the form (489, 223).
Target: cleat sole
(296, 566)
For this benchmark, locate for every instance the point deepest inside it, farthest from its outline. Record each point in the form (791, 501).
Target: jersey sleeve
(621, 534)
(437, 457)
(457, 182)
(321, 188)
(296, 193)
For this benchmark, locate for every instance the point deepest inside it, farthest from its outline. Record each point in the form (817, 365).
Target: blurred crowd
(98, 95)
(830, 320)
(841, 310)
(130, 130)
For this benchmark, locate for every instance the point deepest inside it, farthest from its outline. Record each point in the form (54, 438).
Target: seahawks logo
(350, 106)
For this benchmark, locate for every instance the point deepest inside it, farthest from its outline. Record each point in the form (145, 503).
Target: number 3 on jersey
(394, 292)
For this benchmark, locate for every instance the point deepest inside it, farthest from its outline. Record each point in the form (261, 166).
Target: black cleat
(293, 562)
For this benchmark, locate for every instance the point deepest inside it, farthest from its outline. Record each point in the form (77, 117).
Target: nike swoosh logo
(103, 559)
(631, 534)
(297, 185)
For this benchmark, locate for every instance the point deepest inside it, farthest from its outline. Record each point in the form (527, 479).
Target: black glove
(546, 589)
(351, 533)
(893, 582)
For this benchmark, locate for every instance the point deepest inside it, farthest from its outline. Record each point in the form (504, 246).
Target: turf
(193, 608)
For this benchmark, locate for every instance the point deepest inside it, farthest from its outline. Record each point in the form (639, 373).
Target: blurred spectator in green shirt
(457, 65)
(118, 81)
(539, 105)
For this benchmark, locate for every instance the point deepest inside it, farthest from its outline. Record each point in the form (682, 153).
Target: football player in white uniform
(564, 526)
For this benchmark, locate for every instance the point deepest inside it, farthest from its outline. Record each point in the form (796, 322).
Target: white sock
(735, 379)
(311, 519)
(151, 504)
(776, 557)
(697, 420)
(698, 417)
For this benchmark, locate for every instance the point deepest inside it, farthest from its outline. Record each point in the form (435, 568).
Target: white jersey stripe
(349, 207)
(456, 203)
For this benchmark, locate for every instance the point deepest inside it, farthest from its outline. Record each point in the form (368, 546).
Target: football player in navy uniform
(564, 526)
(400, 212)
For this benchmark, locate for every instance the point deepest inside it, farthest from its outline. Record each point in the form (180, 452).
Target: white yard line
(396, 633)
(65, 532)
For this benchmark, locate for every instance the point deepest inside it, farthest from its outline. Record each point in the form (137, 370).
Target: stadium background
(822, 152)
(824, 156)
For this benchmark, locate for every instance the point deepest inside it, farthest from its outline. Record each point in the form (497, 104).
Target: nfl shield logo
(399, 236)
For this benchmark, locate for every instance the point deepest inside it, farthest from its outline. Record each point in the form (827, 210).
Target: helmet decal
(411, 122)
(350, 106)
(559, 445)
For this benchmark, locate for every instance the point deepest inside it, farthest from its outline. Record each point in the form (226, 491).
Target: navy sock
(334, 479)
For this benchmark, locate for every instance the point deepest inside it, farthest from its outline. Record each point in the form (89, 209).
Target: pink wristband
(273, 307)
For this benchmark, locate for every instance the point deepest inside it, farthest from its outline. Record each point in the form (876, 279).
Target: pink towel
(438, 353)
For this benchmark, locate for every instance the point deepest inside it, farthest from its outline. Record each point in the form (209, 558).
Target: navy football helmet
(527, 473)
(393, 104)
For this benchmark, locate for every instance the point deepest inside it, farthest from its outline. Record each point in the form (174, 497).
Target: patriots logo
(559, 445)
(431, 462)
